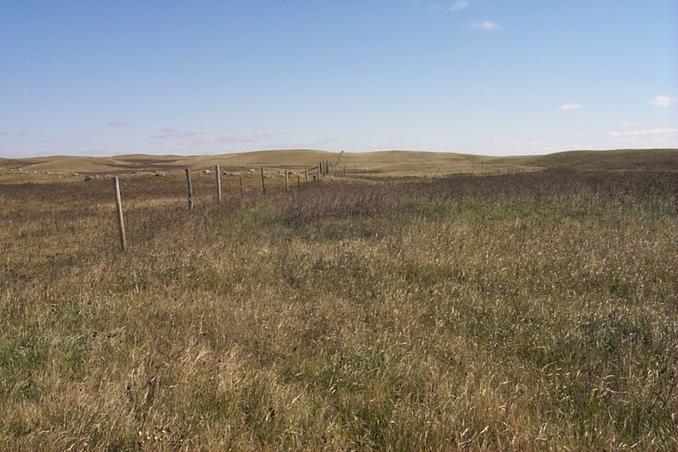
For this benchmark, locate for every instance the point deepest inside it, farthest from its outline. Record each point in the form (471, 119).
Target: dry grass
(524, 311)
(384, 163)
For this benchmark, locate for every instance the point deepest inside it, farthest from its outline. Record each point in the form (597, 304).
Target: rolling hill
(377, 163)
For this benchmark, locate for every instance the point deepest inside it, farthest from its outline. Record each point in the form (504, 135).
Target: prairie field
(533, 310)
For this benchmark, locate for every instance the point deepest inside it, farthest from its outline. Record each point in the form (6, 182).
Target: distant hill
(380, 162)
(625, 159)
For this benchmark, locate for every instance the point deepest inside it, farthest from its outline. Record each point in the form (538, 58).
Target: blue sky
(478, 76)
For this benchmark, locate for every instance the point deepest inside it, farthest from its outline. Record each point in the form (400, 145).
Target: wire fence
(310, 174)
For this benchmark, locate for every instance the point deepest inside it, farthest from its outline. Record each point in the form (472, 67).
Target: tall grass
(527, 311)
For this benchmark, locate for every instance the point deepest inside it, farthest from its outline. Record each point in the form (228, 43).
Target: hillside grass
(380, 163)
(520, 311)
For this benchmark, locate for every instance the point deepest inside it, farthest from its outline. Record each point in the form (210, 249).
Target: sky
(494, 77)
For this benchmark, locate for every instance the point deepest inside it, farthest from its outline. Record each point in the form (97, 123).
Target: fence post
(121, 220)
(287, 184)
(319, 170)
(306, 173)
(263, 182)
(242, 189)
(298, 181)
(216, 169)
(190, 189)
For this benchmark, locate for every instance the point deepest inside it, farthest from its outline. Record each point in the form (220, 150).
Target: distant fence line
(323, 169)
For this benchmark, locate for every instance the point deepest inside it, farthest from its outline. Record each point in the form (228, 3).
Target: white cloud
(662, 101)
(486, 25)
(117, 124)
(638, 133)
(570, 107)
(627, 124)
(459, 5)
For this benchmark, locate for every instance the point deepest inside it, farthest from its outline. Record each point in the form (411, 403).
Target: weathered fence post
(216, 169)
(306, 173)
(190, 189)
(121, 220)
(242, 189)
(263, 182)
(287, 183)
(319, 170)
(298, 181)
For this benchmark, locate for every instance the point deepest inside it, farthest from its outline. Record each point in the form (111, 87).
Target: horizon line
(333, 152)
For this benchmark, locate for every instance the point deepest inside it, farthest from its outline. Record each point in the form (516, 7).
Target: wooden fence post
(319, 170)
(263, 182)
(190, 189)
(216, 169)
(121, 220)
(298, 181)
(242, 189)
(287, 183)
(306, 173)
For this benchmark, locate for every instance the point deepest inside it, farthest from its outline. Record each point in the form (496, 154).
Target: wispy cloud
(662, 101)
(188, 138)
(640, 133)
(627, 124)
(570, 107)
(459, 5)
(13, 133)
(117, 124)
(486, 25)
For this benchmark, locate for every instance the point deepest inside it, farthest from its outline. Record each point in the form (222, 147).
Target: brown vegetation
(388, 163)
(516, 311)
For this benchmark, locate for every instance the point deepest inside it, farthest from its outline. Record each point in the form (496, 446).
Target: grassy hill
(381, 162)
(624, 159)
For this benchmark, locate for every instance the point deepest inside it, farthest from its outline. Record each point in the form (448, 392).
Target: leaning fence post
(306, 173)
(287, 184)
(190, 189)
(263, 182)
(242, 189)
(216, 169)
(121, 220)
